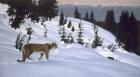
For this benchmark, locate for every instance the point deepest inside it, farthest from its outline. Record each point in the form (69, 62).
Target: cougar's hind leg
(26, 54)
(30, 58)
(41, 55)
(23, 56)
(23, 59)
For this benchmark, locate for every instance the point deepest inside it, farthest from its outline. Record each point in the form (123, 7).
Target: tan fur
(29, 48)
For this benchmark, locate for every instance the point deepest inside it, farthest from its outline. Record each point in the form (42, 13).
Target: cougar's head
(54, 45)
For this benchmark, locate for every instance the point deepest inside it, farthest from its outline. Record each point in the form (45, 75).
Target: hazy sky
(101, 2)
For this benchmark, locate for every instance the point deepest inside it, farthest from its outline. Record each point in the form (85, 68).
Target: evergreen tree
(70, 38)
(97, 39)
(47, 9)
(19, 41)
(91, 19)
(62, 22)
(36, 10)
(128, 31)
(45, 32)
(17, 11)
(86, 18)
(62, 19)
(11, 13)
(72, 29)
(69, 24)
(110, 21)
(133, 36)
(77, 14)
(62, 33)
(124, 29)
(80, 34)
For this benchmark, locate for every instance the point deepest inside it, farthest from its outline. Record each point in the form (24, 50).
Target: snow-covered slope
(68, 60)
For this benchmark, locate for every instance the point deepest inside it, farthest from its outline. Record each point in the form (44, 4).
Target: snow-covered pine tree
(69, 24)
(97, 39)
(119, 44)
(72, 29)
(62, 22)
(62, 33)
(29, 32)
(80, 34)
(116, 45)
(19, 41)
(70, 38)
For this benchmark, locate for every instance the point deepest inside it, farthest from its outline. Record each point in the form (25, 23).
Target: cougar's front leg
(47, 54)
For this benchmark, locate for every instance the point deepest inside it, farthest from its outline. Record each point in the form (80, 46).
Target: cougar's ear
(49, 46)
(52, 42)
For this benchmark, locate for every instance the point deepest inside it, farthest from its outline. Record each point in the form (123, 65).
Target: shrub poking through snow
(112, 47)
(29, 32)
(45, 32)
(19, 41)
(116, 45)
(97, 39)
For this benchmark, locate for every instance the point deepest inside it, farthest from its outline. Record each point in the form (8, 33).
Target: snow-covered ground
(68, 60)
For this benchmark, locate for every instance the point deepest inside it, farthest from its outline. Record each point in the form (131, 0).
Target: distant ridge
(100, 11)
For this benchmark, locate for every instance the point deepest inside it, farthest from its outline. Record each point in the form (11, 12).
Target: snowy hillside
(68, 60)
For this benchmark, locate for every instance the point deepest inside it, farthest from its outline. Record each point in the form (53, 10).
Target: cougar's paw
(19, 61)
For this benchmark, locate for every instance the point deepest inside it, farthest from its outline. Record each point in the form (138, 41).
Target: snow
(68, 60)
(3, 8)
